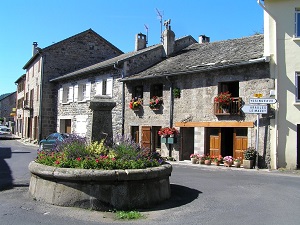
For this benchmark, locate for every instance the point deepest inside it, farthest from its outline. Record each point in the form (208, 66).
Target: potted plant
(218, 160)
(194, 158)
(237, 162)
(224, 99)
(176, 92)
(202, 159)
(228, 160)
(155, 102)
(249, 157)
(135, 103)
(207, 160)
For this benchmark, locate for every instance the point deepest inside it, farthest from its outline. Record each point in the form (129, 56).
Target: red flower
(78, 159)
(57, 162)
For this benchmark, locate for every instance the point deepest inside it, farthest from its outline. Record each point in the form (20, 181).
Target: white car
(5, 132)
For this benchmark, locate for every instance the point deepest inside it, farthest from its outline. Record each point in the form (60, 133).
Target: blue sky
(118, 21)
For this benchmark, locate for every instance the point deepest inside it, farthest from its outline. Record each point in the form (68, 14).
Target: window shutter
(99, 87)
(88, 91)
(70, 97)
(109, 86)
(60, 94)
(76, 93)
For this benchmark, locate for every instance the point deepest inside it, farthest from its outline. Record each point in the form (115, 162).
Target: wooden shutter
(60, 94)
(146, 137)
(99, 87)
(109, 86)
(70, 97)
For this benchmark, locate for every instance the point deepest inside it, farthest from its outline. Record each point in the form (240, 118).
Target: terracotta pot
(207, 162)
(217, 163)
(227, 164)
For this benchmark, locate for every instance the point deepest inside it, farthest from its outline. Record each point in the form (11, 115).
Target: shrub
(250, 154)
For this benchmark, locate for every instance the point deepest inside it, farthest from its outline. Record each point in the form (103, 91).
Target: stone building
(38, 113)
(91, 100)
(7, 108)
(197, 74)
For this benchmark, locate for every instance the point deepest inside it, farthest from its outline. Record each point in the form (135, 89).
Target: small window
(82, 92)
(232, 87)
(297, 23)
(297, 87)
(104, 86)
(156, 90)
(138, 92)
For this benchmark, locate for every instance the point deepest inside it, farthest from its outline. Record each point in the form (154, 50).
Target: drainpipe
(275, 137)
(121, 70)
(171, 111)
(41, 98)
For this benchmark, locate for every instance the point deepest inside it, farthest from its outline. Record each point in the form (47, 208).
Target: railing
(232, 109)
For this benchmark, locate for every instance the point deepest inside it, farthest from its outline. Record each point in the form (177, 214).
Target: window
(297, 23)
(66, 94)
(104, 86)
(232, 87)
(138, 92)
(156, 90)
(297, 87)
(82, 92)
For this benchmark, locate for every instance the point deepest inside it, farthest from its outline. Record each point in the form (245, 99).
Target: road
(200, 195)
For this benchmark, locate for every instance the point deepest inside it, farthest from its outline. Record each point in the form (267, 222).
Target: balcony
(27, 104)
(232, 109)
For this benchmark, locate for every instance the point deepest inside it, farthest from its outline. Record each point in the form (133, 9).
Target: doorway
(150, 137)
(187, 143)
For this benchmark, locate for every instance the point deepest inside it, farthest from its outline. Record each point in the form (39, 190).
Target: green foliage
(250, 153)
(176, 92)
(128, 215)
(97, 148)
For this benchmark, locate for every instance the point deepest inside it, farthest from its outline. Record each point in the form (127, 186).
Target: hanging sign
(255, 109)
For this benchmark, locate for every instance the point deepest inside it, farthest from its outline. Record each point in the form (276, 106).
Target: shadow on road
(6, 181)
(180, 195)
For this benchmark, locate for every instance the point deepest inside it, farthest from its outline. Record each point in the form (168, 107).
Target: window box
(233, 108)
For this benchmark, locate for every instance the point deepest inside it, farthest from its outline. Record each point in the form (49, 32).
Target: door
(146, 137)
(298, 146)
(215, 141)
(68, 126)
(187, 143)
(240, 142)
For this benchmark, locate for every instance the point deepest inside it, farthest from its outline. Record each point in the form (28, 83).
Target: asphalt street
(200, 195)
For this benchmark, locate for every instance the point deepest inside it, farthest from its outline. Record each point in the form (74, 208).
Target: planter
(227, 164)
(100, 189)
(163, 140)
(171, 140)
(201, 161)
(207, 162)
(217, 163)
(248, 164)
(237, 164)
(194, 160)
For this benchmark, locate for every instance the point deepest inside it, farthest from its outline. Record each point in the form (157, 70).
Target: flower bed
(100, 176)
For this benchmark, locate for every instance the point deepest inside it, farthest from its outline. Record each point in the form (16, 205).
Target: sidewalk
(222, 167)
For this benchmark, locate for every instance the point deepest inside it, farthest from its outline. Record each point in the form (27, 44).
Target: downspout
(122, 71)
(41, 98)
(171, 111)
(275, 137)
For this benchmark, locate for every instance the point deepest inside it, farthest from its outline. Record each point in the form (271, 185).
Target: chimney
(34, 48)
(140, 41)
(203, 39)
(168, 39)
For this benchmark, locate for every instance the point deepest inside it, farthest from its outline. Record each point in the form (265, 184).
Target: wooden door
(187, 142)
(146, 137)
(240, 140)
(68, 126)
(215, 142)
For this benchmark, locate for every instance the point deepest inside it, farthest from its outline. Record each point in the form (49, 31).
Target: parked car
(5, 132)
(52, 140)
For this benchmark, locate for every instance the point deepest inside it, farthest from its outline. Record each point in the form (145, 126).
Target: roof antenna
(147, 33)
(160, 17)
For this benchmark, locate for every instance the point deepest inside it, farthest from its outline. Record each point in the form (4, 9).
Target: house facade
(282, 44)
(38, 112)
(7, 108)
(188, 83)
(91, 100)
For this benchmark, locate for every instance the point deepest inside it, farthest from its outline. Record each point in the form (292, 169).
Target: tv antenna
(160, 17)
(147, 33)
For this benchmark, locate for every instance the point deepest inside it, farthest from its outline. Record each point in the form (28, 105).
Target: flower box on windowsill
(163, 140)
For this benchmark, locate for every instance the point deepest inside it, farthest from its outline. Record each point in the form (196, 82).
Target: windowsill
(82, 101)
(297, 103)
(296, 38)
(65, 103)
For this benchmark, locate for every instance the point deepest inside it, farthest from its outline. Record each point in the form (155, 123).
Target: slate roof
(111, 62)
(208, 56)
(67, 39)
